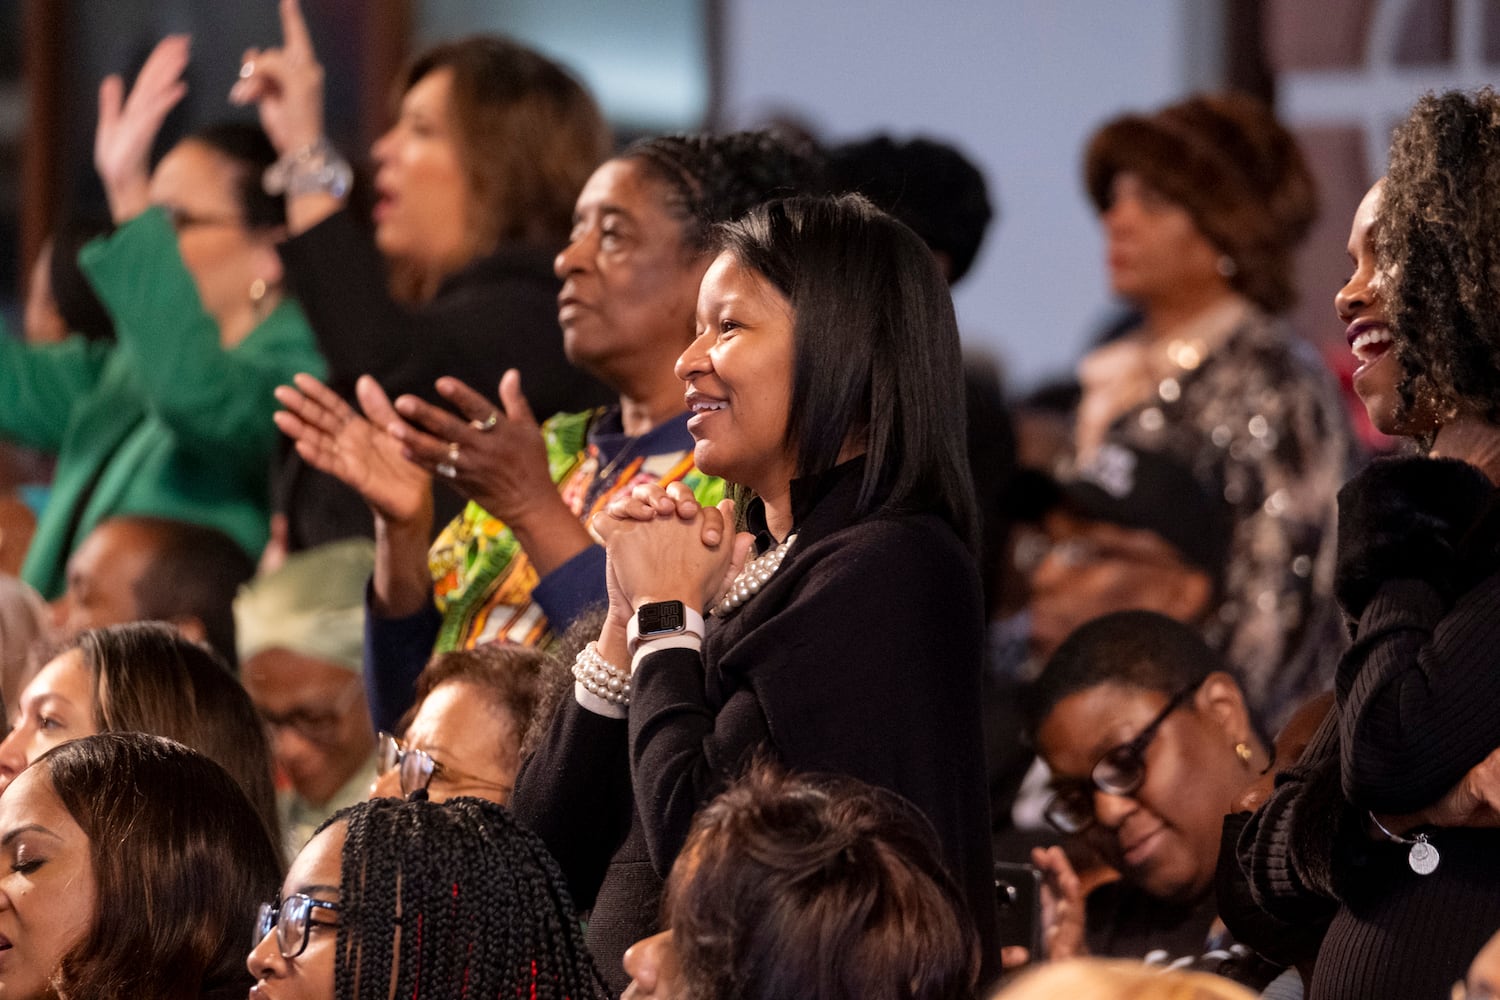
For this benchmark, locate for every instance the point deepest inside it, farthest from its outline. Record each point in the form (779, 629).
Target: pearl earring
(258, 302)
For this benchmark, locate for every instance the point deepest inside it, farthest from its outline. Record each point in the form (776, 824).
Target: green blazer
(165, 422)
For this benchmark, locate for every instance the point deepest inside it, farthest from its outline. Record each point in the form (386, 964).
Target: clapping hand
(332, 437)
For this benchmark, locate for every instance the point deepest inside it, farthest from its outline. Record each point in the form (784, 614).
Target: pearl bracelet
(601, 678)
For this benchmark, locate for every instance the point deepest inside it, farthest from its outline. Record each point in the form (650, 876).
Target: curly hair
(718, 178)
(1439, 240)
(483, 908)
(821, 887)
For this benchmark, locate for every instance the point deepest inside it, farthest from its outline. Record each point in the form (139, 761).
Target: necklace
(1422, 857)
(753, 577)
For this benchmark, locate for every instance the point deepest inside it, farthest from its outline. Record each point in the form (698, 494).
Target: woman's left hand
(128, 125)
(493, 454)
(648, 501)
(666, 559)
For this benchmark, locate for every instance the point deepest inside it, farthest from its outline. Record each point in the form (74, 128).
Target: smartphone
(1018, 892)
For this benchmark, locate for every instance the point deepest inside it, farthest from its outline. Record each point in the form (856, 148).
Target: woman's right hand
(1062, 911)
(285, 84)
(128, 124)
(1473, 802)
(334, 439)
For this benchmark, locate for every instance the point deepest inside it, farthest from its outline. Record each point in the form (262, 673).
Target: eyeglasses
(417, 768)
(290, 917)
(322, 728)
(1121, 771)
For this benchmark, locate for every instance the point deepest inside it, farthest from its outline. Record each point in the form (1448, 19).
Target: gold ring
(488, 423)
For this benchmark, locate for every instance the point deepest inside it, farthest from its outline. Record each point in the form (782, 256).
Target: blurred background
(1017, 85)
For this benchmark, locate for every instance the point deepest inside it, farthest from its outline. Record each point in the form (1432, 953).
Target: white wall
(1018, 85)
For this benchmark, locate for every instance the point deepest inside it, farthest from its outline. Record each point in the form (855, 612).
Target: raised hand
(333, 438)
(285, 84)
(128, 125)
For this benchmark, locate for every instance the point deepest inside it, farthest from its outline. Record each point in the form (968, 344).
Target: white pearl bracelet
(601, 678)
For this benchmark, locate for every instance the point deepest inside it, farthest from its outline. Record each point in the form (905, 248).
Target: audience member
(409, 898)
(1387, 821)
(1132, 530)
(175, 419)
(1202, 204)
(23, 626)
(518, 564)
(1102, 979)
(133, 865)
(928, 185)
(300, 631)
(59, 300)
(1150, 742)
(144, 678)
(473, 711)
(475, 185)
(132, 569)
(821, 381)
(1483, 977)
(821, 888)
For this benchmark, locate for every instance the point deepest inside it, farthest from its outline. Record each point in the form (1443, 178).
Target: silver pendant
(1423, 857)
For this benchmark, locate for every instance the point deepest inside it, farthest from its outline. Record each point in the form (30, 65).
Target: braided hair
(1439, 239)
(717, 178)
(483, 909)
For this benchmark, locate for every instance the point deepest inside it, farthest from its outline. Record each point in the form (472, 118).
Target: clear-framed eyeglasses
(292, 920)
(417, 768)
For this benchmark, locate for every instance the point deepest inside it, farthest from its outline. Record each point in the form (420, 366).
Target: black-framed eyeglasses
(416, 768)
(292, 919)
(1120, 771)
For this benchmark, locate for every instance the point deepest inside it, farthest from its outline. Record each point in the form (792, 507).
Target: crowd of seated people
(638, 592)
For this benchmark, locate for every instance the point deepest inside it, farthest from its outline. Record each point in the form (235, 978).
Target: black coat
(860, 657)
(1419, 573)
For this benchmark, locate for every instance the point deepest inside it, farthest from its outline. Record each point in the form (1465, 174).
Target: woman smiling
(820, 382)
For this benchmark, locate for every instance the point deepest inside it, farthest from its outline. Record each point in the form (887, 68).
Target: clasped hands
(663, 545)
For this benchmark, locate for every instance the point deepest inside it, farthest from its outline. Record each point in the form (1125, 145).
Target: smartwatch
(660, 619)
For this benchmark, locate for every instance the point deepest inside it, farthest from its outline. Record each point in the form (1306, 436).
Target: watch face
(661, 617)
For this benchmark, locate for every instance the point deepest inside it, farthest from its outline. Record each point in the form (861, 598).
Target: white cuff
(591, 702)
(681, 640)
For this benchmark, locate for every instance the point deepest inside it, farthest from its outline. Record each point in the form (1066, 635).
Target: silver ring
(445, 470)
(247, 69)
(488, 423)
